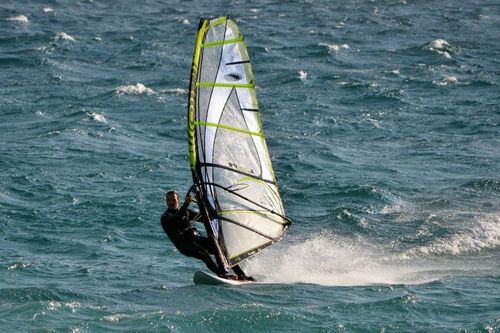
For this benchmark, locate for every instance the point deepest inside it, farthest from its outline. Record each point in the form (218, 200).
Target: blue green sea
(383, 122)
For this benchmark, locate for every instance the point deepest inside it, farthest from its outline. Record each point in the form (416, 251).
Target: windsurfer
(177, 222)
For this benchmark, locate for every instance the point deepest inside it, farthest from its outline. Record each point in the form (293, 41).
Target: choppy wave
(441, 47)
(449, 80)
(19, 18)
(97, 117)
(19, 265)
(136, 89)
(64, 36)
(382, 123)
(484, 234)
(334, 48)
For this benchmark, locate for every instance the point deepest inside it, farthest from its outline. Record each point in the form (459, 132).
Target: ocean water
(383, 122)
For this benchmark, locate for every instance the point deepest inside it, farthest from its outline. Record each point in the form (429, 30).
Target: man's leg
(199, 252)
(209, 246)
(241, 275)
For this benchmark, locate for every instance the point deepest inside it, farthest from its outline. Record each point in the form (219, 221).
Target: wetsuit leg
(237, 269)
(209, 246)
(195, 250)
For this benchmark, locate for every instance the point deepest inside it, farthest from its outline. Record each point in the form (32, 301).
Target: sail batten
(229, 159)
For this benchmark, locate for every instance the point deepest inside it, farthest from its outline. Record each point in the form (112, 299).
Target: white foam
(335, 261)
(97, 117)
(177, 91)
(48, 10)
(446, 81)
(64, 36)
(136, 89)
(334, 48)
(113, 318)
(302, 75)
(18, 265)
(445, 54)
(390, 209)
(19, 18)
(54, 305)
(439, 44)
(72, 306)
(185, 21)
(484, 234)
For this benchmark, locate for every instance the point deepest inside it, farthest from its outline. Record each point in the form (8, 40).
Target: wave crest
(19, 18)
(485, 234)
(136, 89)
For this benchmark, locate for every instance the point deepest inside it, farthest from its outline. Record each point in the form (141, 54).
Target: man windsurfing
(178, 224)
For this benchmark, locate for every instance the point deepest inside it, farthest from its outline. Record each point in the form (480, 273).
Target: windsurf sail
(229, 159)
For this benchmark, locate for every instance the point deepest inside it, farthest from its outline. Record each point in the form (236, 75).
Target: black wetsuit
(178, 225)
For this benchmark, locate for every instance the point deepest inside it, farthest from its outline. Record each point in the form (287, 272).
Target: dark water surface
(383, 122)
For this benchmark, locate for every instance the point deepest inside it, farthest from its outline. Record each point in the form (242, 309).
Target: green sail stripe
(224, 85)
(231, 128)
(223, 42)
(218, 21)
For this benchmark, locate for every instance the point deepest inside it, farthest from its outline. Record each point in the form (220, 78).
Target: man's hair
(169, 193)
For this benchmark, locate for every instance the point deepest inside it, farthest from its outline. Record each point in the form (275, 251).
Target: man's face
(172, 201)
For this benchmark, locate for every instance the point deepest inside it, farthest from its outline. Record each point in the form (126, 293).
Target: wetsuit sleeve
(182, 211)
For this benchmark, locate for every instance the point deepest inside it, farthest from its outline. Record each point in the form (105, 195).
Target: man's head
(172, 200)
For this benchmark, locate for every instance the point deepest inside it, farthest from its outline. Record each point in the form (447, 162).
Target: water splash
(330, 260)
